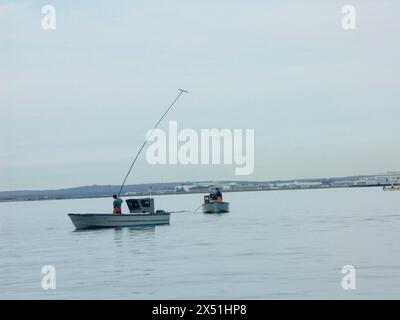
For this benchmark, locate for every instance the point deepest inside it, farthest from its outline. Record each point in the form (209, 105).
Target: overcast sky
(76, 102)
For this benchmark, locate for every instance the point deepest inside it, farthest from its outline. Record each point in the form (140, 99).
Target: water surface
(275, 245)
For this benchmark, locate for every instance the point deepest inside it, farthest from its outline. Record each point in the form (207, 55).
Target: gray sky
(77, 102)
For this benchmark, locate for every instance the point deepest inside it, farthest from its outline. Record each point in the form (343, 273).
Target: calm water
(280, 244)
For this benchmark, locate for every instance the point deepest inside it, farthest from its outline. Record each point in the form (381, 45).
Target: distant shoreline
(202, 187)
(168, 192)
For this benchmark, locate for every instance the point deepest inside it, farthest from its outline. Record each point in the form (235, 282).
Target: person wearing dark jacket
(216, 195)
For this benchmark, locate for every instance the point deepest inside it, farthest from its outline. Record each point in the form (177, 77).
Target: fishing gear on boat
(145, 140)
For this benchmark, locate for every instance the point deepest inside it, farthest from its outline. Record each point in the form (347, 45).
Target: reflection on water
(271, 245)
(131, 233)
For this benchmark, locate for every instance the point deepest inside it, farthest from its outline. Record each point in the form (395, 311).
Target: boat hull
(391, 188)
(215, 207)
(99, 220)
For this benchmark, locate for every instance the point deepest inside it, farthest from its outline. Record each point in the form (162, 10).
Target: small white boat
(392, 188)
(212, 206)
(142, 213)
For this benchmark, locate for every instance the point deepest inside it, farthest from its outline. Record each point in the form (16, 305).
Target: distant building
(326, 182)
(130, 193)
(306, 184)
(200, 188)
(230, 186)
(179, 189)
(392, 177)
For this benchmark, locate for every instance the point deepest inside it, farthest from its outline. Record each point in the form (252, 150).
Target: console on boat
(143, 205)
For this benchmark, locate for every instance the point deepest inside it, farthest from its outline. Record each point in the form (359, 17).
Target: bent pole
(181, 91)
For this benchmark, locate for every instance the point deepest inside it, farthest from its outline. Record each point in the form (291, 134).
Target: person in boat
(117, 203)
(216, 195)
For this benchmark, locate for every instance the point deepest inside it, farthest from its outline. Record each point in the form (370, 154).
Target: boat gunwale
(118, 215)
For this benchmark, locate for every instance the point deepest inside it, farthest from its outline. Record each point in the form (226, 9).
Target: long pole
(181, 91)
